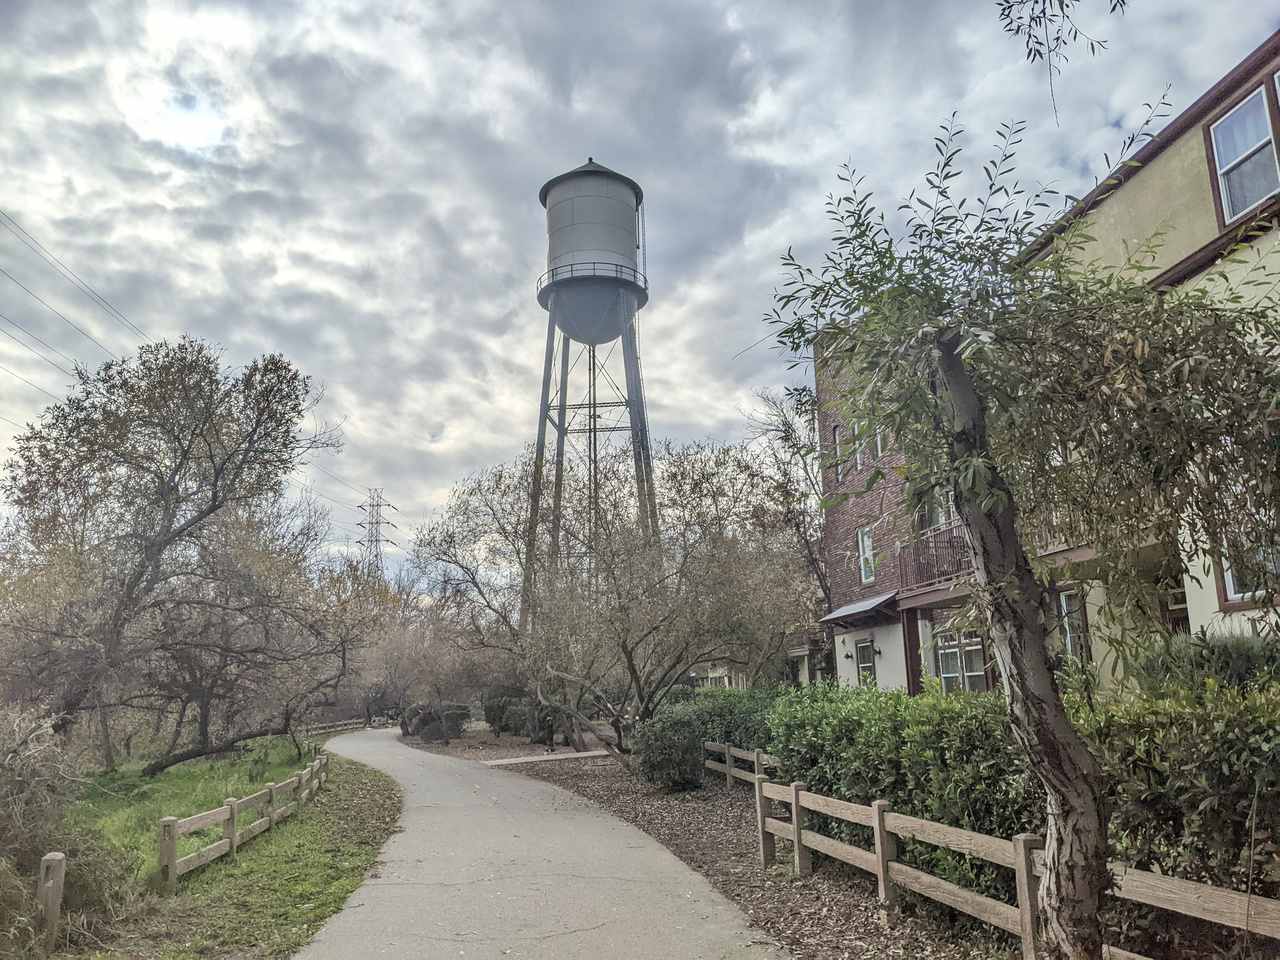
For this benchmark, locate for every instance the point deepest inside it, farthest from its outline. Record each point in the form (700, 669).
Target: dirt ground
(831, 915)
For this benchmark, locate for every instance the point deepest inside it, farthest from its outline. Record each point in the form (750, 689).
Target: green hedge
(1193, 780)
(941, 757)
(668, 748)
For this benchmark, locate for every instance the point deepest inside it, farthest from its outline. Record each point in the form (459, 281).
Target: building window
(858, 453)
(835, 452)
(1245, 154)
(961, 663)
(937, 510)
(866, 555)
(864, 657)
(1244, 580)
(1073, 626)
(879, 444)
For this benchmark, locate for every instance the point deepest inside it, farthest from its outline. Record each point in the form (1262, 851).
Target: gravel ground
(831, 915)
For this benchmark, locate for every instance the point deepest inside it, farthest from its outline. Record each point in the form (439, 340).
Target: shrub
(668, 750)
(1192, 778)
(35, 787)
(1184, 663)
(454, 716)
(740, 717)
(946, 758)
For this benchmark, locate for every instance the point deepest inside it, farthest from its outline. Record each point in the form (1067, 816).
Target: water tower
(591, 291)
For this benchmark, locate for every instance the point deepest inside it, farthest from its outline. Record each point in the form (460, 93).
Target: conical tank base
(592, 310)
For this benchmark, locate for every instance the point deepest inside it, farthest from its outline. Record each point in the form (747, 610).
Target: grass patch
(126, 807)
(284, 883)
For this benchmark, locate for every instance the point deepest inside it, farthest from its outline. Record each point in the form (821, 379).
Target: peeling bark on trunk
(1020, 613)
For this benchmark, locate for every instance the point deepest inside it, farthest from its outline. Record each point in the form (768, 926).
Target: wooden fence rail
(270, 805)
(1023, 854)
(316, 729)
(759, 760)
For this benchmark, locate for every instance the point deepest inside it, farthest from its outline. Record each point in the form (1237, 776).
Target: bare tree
(114, 485)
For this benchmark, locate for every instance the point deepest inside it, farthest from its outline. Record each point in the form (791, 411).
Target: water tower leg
(562, 427)
(639, 432)
(535, 493)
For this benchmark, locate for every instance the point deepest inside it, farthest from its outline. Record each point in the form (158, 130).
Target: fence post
(728, 764)
(759, 762)
(803, 855)
(53, 872)
(1024, 847)
(886, 853)
(271, 805)
(169, 855)
(768, 849)
(229, 825)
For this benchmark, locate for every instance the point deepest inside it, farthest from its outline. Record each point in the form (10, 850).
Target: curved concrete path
(492, 864)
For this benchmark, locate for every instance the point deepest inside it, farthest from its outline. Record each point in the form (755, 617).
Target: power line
(329, 473)
(30, 384)
(36, 352)
(35, 296)
(323, 496)
(45, 344)
(13, 422)
(19, 231)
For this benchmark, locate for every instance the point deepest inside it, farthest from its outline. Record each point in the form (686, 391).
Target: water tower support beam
(643, 455)
(535, 492)
(562, 430)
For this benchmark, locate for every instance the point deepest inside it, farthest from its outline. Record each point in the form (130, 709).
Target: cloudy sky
(354, 182)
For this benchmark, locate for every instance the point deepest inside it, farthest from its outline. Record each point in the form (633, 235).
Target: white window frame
(1069, 642)
(835, 452)
(946, 644)
(1221, 172)
(866, 555)
(858, 453)
(1230, 586)
(867, 679)
(879, 443)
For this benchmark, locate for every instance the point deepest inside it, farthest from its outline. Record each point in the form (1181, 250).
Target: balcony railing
(593, 268)
(942, 553)
(935, 556)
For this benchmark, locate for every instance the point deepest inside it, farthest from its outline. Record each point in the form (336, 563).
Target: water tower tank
(592, 286)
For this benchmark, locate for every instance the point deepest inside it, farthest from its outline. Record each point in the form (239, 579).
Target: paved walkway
(492, 864)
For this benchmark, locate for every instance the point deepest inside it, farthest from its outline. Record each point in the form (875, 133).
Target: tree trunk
(1020, 611)
(164, 763)
(104, 736)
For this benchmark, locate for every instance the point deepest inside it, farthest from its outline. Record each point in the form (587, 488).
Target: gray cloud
(358, 188)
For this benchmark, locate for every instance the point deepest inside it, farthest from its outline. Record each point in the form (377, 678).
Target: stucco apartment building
(1210, 179)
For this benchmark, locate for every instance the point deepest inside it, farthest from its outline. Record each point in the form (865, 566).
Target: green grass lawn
(126, 807)
(283, 884)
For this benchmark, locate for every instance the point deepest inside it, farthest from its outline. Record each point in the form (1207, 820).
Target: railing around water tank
(594, 268)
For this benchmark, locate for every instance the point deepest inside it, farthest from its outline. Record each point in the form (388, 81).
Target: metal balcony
(935, 556)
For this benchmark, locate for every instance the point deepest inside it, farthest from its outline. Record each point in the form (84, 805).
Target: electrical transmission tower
(372, 524)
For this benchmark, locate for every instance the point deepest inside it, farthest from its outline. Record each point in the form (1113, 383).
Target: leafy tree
(1051, 396)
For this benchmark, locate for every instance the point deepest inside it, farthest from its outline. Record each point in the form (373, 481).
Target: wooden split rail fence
(1024, 854)
(271, 804)
(318, 729)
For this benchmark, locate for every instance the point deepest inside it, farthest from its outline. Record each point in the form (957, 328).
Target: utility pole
(372, 524)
